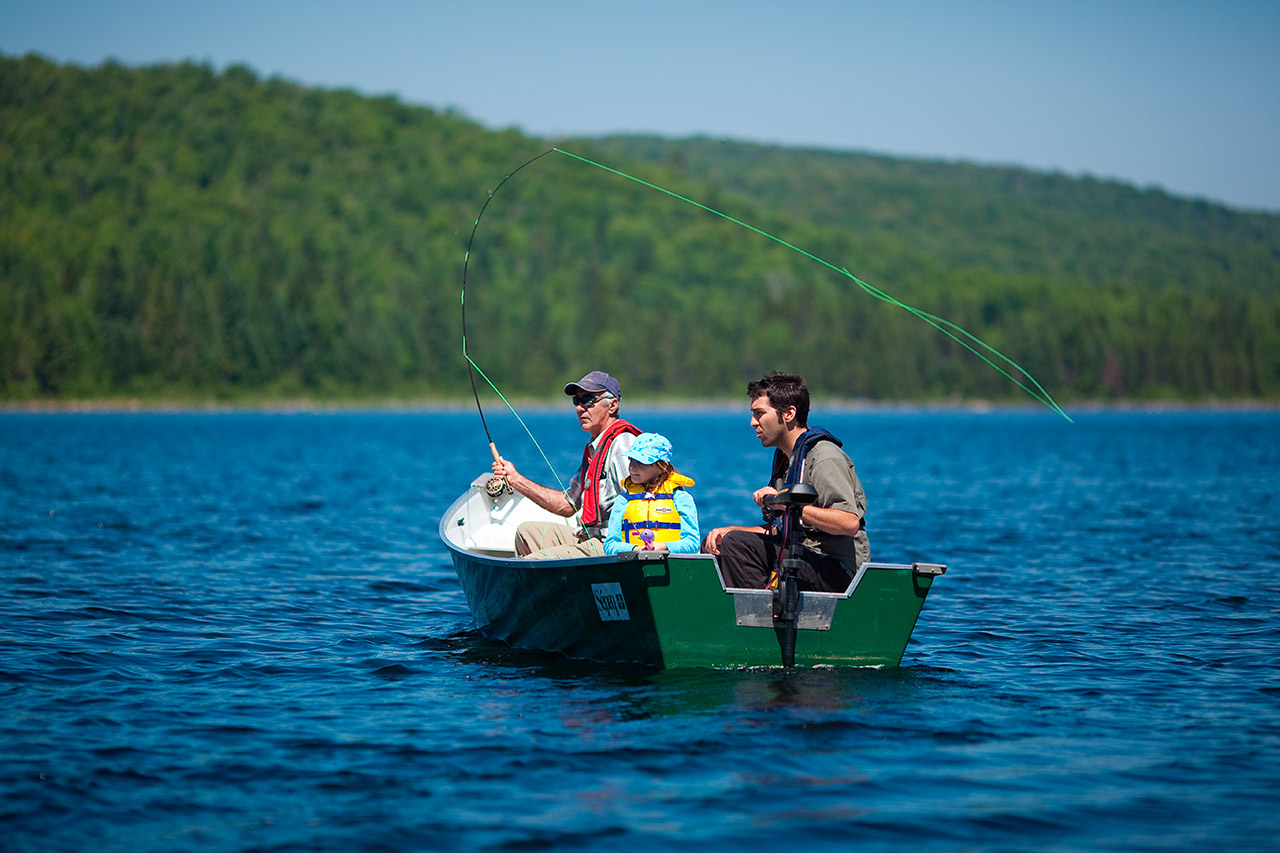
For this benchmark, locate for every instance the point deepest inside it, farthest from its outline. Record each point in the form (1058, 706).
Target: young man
(592, 490)
(835, 538)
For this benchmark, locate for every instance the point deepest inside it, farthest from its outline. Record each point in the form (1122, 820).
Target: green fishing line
(1002, 365)
(944, 326)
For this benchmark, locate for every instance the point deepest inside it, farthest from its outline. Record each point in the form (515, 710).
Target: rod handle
(493, 448)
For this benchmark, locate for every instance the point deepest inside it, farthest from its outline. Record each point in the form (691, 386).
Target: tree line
(177, 232)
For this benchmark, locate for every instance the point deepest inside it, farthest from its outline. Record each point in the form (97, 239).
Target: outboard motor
(786, 598)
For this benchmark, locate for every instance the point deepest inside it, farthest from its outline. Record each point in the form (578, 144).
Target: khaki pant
(551, 540)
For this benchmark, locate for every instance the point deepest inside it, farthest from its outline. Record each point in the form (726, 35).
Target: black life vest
(790, 470)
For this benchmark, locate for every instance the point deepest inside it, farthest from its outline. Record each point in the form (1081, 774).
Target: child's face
(642, 473)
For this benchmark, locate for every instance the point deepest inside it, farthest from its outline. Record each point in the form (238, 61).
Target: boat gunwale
(559, 563)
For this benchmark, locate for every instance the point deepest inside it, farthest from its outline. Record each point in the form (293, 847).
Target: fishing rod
(472, 367)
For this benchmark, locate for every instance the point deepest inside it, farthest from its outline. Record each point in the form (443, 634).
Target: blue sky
(1180, 95)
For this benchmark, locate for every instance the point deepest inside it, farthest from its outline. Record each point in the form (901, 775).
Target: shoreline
(851, 405)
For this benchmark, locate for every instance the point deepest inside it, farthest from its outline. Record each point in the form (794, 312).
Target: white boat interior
(484, 521)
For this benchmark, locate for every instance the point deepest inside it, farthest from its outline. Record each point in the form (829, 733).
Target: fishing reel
(496, 487)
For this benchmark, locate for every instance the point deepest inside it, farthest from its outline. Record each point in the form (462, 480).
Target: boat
(665, 610)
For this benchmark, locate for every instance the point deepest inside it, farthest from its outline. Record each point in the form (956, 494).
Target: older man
(596, 398)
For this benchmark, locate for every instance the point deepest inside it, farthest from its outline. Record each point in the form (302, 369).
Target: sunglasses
(586, 401)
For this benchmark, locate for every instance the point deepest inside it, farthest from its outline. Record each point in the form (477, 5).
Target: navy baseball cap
(595, 382)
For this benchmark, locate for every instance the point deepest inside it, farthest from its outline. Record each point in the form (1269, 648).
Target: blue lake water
(241, 631)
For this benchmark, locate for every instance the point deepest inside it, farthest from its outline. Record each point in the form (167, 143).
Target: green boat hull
(670, 611)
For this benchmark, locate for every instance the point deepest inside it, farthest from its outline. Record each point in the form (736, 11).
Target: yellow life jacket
(653, 510)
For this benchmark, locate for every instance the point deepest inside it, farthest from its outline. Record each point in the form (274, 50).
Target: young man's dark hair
(785, 390)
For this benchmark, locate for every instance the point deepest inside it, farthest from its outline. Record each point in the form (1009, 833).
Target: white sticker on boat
(610, 603)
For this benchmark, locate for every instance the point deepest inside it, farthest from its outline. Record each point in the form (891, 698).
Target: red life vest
(593, 466)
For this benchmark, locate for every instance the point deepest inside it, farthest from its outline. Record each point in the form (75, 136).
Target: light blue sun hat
(649, 448)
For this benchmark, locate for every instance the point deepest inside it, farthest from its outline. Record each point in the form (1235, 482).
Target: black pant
(747, 559)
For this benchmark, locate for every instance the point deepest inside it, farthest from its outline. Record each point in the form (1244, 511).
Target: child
(654, 512)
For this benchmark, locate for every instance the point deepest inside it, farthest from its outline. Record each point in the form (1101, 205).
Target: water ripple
(240, 632)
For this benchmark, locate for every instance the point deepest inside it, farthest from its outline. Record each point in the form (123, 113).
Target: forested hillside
(175, 232)
(1010, 221)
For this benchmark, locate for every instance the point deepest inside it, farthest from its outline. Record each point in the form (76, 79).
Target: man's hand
(759, 495)
(711, 544)
(551, 500)
(503, 468)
